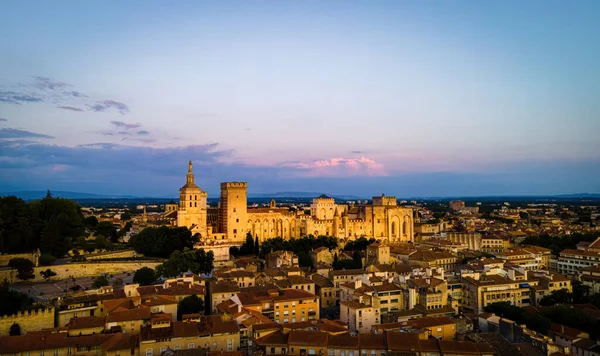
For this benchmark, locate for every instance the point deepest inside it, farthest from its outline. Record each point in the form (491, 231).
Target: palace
(383, 219)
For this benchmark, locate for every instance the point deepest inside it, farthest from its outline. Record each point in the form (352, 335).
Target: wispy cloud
(17, 133)
(45, 83)
(338, 166)
(106, 105)
(11, 97)
(72, 108)
(143, 132)
(125, 125)
(62, 94)
(3, 119)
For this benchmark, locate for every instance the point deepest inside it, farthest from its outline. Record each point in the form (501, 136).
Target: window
(214, 345)
(272, 350)
(230, 345)
(373, 353)
(55, 352)
(177, 347)
(69, 351)
(286, 320)
(148, 352)
(163, 349)
(190, 346)
(237, 220)
(235, 231)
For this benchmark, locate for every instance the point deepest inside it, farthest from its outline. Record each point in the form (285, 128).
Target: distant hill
(34, 195)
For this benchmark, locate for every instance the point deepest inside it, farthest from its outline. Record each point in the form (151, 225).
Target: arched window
(195, 197)
(393, 228)
(190, 197)
(195, 205)
(190, 204)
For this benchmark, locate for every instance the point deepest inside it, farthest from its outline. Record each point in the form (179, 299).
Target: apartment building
(590, 276)
(212, 333)
(360, 316)
(481, 290)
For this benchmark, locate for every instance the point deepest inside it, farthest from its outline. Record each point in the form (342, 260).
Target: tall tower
(192, 206)
(233, 211)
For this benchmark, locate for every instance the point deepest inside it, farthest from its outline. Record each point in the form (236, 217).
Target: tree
(195, 261)
(335, 259)
(125, 216)
(101, 281)
(12, 301)
(256, 246)
(359, 244)
(357, 260)
(91, 221)
(101, 242)
(163, 241)
(46, 259)
(190, 305)
(144, 276)
(106, 229)
(15, 330)
(561, 296)
(48, 273)
(23, 266)
(247, 247)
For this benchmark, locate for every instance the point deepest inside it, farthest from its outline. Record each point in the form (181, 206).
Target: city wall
(32, 320)
(83, 269)
(32, 256)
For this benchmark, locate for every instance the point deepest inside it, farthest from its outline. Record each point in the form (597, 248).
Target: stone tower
(192, 206)
(233, 211)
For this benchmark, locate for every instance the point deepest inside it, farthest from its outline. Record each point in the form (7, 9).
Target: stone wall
(33, 320)
(83, 269)
(32, 256)
(112, 254)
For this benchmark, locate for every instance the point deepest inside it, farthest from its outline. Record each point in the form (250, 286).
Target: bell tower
(192, 206)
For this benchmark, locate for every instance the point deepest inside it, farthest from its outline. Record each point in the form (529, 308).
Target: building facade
(383, 219)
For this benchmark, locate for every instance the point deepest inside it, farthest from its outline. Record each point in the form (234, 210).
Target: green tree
(357, 260)
(561, 296)
(101, 242)
(190, 305)
(48, 273)
(46, 259)
(125, 216)
(359, 244)
(91, 222)
(16, 232)
(247, 247)
(144, 276)
(12, 301)
(101, 281)
(23, 266)
(15, 330)
(195, 261)
(163, 241)
(256, 246)
(106, 229)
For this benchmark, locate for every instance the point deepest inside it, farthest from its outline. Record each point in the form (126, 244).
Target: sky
(406, 98)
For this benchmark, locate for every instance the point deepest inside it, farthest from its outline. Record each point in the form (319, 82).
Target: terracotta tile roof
(121, 341)
(348, 272)
(372, 341)
(273, 339)
(36, 342)
(266, 326)
(85, 322)
(402, 341)
(308, 338)
(158, 300)
(223, 287)
(321, 281)
(343, 341)
(141, 313)
(459, 347)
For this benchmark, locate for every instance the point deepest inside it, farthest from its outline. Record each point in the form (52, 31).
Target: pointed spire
(190, 174)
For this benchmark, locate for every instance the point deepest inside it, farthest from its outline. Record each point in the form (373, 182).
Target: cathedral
(232, 220)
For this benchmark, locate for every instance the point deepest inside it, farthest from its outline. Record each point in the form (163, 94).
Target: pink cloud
(339, 166)
(59, 167)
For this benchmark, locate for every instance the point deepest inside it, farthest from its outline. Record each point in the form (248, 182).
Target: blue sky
(413, 98)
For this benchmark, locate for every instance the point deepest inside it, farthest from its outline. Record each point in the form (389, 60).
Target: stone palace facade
(383, 219)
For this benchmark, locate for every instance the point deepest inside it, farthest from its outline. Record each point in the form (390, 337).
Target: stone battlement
(28, 314)
(229, 185)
